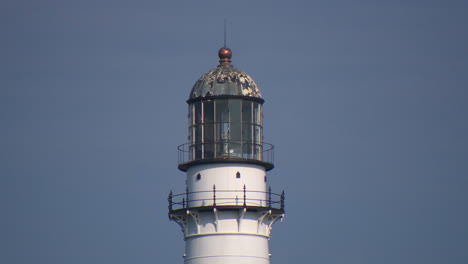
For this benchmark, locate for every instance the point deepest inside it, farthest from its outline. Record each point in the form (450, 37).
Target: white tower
(227, 211)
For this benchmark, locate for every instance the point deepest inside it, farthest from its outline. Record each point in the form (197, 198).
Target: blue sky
(366, 103)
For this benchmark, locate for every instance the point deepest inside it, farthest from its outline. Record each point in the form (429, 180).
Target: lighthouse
(228, 208)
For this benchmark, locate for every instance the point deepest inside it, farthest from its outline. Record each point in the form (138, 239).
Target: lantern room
(225, 119)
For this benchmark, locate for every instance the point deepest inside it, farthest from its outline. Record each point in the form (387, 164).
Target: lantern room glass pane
(222, 111)
(208, 131)
(198, 141)
(247, 112)
(247, 132)
(190, 134)
(257, 142)
(208, 111)
(235, 132)
(257, 135)
(222, 127)
(208, 140)
(256, 114)
(247, 140)
(198, 112)
(190, 114)
(235, 140)
(222, 135)
(235, 110)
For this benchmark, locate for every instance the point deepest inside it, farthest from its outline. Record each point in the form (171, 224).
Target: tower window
(198, 176)
(238, 175)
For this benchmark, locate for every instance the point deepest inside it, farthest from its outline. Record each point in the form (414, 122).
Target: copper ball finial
(224, 53)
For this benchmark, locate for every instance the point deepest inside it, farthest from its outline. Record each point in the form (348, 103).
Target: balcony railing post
(169, 199)
(214, 195)
(186, 195)
(282, 201)
(245, 196)
(269, 197)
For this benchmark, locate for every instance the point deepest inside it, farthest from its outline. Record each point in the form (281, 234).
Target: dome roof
(225, 80)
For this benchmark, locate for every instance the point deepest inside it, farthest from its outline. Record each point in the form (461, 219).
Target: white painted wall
(227, 235)
(227, 249)
(223, 176)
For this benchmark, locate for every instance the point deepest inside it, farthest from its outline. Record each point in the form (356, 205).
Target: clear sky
(366, 103)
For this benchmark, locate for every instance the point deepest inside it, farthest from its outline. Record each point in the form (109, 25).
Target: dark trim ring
(212, 97)
(186, 165)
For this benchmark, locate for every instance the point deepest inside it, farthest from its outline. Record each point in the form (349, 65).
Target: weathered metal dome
(225, 80)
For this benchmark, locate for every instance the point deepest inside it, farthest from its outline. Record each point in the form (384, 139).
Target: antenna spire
(225, 32)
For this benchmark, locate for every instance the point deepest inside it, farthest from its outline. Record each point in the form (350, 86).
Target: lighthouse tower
(227, 210)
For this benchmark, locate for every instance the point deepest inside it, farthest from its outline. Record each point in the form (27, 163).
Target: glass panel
(190, 114)
(257, 141)
(198, 113)
(208, 111)
(235, 140)
(208, 119)
(198, 142)
(224, 140)
(222, 111)
(260, 115)
(236, 133)
(191, 140)
(208, 140)
(198, 130)
(257, 137)
(247, 150)
(257, 134)
(258, 152)
(256, 113)
(190, 136)
(235, 110)
(246, 112)
(235, 149)
(247, 140)
(218, 139)
(222, 136)
(192, 152)
(218, 148)
(222, 128)
(247, 131)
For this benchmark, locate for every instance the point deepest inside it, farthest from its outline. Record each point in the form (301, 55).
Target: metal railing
(214, 198)
(227, 149)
